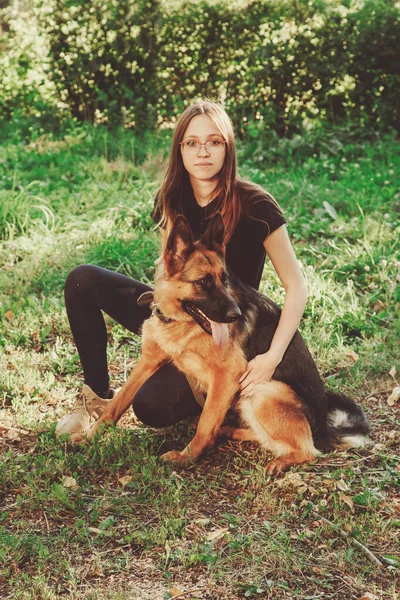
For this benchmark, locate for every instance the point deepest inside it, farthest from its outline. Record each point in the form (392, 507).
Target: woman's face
(203, 165)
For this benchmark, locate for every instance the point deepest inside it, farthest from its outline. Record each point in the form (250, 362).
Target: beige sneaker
(87, 409)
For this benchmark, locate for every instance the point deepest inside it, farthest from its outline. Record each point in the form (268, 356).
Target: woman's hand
(259, 370)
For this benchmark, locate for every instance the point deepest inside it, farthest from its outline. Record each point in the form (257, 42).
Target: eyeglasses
(212, 147)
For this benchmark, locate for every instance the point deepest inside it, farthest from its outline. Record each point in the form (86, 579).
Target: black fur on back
(260, 317)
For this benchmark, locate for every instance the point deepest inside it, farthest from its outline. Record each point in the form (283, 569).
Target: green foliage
(26, 89)
(280, 64)
(103, 56)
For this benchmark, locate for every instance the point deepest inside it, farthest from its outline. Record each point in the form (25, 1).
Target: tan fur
(272, 411)
(276, 416)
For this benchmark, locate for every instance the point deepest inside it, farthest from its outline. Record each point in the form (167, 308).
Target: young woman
(201, 179)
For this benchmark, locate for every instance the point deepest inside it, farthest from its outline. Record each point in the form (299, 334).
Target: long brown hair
(233, 192)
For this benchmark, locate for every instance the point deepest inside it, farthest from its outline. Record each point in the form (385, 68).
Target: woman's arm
(283, 258)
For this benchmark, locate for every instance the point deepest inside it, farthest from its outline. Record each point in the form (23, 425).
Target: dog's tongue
(220, 332)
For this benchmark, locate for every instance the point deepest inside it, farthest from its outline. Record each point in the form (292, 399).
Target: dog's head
(193, 281)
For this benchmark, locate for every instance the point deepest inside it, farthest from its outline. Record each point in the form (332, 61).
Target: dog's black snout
(233, 315)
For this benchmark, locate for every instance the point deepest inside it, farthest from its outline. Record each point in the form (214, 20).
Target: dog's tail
(347, 424)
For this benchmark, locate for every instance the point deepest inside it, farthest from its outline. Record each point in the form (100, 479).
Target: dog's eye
(206, 282)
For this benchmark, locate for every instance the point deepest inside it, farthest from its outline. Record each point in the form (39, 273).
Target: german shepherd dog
(209, 325)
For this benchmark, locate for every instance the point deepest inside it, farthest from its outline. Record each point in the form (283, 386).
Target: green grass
(219, 527)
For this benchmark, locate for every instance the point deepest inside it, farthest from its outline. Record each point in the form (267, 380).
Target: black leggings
(166, 397)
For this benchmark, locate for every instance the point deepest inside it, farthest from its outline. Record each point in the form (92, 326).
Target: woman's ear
(179, 246)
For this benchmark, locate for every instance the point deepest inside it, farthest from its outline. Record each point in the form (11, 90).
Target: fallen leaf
(95, 530)
(125, 480)
(330, 210)
(202, 522)
(316, 570)
(9, 315)
(97, 571)
(217, 534)
(378, 447)
(393, 372)
(352, 355)
(317, 523)
(391, 560)
(342, 485)
(369, 596)
(394, 396)
(175, 592)
(167, 548)
(293, 479)
(13, 435)
(69, 482)
(347, 500)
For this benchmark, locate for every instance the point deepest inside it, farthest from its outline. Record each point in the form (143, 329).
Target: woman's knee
(148, 408)
(79, 279)
(165, 399)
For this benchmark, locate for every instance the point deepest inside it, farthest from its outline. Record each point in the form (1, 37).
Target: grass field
(109, 520)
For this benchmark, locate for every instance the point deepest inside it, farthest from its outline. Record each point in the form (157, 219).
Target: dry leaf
(394, 396)
(97, 571)
(167, 549)
(347, 500)
(342, 485)
(13, 435)
(202, 522)
(393, 372)
(330, 210)
(175, 592)
(369, 596)
(378, 447)
(177, 476)
(95, 530)
(217, 534)
(293, 479)
(9, 315)
(317, 523)
(352, 355)
(316, 570)
(124, 480)
(69, 482)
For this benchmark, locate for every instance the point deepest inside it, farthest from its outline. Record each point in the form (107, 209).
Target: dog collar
(161, 316)
(147, 298)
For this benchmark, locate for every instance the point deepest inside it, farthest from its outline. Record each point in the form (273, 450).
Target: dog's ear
(180, 245)
(213, 238)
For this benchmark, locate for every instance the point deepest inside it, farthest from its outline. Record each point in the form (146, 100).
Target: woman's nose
(203, 151)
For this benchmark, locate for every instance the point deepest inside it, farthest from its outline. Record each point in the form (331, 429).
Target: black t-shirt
(245, 252)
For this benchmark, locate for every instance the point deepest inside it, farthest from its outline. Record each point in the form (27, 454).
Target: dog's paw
(276, 466)
(176, 457)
